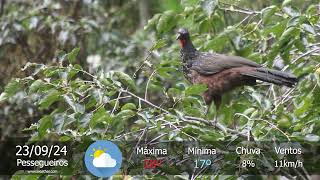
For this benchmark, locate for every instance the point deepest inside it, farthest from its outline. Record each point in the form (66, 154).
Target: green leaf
(308, 28)
(76, 107)
(165, 71)
(211, 137)
(217, 22)
(3, 96)
(209, 6)
(277, 29)
(291, 11)
(174, 92)
(166, 22)
(44, 124)
(286, 3)
(189, 2)
(99, 116)
(64, 138)
(52, 71)
(125, 114)
(299, 45)
(304, 106)
(49, 99)
(159, 44)
(196, 89)
(32, 127)
(152, 21)
(220, 41)
(204, 26)
(283, 44)
(85, 119)
(312, 138)
(273, 53)
(73, 71)
(294, 22)
(312, 10)
(191, 111)
(268, 12)
(129, 106)
(288, 35)
(11, 89)
(188, 10)
(125, 79)
(317, 76)
(36, 85)
(72, 55)
(62, 56)
(21, 175)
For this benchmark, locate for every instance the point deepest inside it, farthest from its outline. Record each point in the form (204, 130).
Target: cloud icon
(104, 160)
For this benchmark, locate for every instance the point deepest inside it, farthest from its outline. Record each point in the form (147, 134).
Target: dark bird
(222, 73)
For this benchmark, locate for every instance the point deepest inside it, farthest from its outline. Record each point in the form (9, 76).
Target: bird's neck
(188, 51)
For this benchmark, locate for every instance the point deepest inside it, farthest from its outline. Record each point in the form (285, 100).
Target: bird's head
(183, 36)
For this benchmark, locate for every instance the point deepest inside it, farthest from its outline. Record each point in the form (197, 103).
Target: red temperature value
(152, 163)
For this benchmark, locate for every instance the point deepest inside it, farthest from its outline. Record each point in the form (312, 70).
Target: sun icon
(98, 152)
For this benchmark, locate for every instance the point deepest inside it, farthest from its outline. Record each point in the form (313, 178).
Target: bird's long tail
(273, 76)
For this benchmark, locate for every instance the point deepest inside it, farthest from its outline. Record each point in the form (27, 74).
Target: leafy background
(87, 70)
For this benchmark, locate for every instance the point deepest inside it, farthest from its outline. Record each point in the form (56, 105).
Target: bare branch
(144, 100)
(218, 125)
(305, 54)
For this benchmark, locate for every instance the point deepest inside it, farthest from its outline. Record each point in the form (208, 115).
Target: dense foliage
(128, 86)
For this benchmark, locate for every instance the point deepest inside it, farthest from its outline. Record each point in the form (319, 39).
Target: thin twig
(147, 86)
(85, 72)
(305, 54)
(217, 125)
(241, 11)
(244, 19)
(148, 128)
(301, 56)
(97, 108)
(233, 5)
(142, 64)
(156, 138)
(306, 172)
(275, 127)
(272, 125)
(139, 140)
(282, 100)
(116, 104)
(143, 100)
(249, 128)
(194, 176)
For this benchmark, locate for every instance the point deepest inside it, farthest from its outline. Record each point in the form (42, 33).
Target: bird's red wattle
(182, 42)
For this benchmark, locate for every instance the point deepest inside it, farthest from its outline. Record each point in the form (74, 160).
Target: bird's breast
(186, 72)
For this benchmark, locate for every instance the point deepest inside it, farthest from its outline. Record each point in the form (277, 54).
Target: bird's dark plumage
(222, 73)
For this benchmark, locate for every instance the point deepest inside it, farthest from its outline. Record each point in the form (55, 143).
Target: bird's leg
(208, 109)
(215, 119)
(217, 102)
(208, 99)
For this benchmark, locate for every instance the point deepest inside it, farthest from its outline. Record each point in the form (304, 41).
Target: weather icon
(103, 158)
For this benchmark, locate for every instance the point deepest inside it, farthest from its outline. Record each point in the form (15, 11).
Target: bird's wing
(209, 63)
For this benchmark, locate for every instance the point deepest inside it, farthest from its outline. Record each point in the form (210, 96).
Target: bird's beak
(178, 36)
